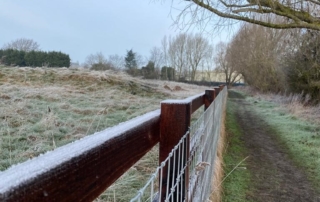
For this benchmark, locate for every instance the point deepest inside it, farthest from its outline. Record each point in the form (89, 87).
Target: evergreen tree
(131, 63)
(30, 59)
(13, 57)
(1, 56)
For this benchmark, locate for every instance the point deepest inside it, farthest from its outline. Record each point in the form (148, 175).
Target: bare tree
(141, 61)
(116, 61)
(177, 55)
(98, 62)
(156, 56)
(164, 46)
(197, 50)
(223, 64)
(22, 44)
(256, 53)
(97, 58)
(208, 65)
(186, 53)
(293, 13)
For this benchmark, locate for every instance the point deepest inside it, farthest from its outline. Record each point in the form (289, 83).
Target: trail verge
(274, 177)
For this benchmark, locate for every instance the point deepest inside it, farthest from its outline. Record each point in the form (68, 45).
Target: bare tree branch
(22, 44)
(295, 13)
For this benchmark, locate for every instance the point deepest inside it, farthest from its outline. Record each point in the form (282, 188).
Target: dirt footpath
(275, 177)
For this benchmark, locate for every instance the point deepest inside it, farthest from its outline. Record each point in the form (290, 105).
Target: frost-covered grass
(237, 181)
(298, 132)
(296, 104)
(43, 108)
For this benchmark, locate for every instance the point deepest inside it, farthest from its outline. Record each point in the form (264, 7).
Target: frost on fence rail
(204, 135)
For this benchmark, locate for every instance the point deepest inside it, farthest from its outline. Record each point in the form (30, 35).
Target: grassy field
(44, 108)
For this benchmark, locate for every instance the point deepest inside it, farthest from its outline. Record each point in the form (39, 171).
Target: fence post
(174, 123)
(217, 90)
(210, 95)
(221, 87)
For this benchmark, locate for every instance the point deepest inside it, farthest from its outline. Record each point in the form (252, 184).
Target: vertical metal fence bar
(160, 180)
(168, 180)
(179, 169)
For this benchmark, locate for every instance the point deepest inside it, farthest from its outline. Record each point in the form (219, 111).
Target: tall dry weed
(297, 104)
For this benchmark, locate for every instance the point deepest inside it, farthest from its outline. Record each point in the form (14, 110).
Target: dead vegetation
(296, 104)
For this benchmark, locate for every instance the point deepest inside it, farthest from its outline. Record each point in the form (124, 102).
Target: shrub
(303, 66)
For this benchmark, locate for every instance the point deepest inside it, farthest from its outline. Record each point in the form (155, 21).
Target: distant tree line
(26, 52)
(13, 57)
(272, 60)
(149, 71)
(131, 63)
(178, 58)
(268, 60)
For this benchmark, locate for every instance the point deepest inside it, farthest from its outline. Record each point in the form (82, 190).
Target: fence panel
(207, 132)
(199, 165)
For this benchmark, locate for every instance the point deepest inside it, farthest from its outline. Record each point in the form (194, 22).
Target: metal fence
(200, 165)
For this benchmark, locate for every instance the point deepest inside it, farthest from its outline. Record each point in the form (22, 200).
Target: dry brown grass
(44, 108)
(298, 105)
(295, 104)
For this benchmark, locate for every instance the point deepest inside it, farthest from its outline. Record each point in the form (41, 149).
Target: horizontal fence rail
(82, 170)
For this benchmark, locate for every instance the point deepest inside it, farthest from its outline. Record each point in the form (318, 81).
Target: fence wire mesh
(204, 135)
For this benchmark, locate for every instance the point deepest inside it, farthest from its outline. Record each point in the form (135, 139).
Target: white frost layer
(29, 169)
(184, 101)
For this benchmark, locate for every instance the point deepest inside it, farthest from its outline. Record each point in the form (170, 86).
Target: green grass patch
(237, 177)
(300, 138)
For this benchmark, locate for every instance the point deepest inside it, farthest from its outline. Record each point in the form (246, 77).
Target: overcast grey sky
(83, 27)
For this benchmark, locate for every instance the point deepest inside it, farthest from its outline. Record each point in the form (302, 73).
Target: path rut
(275, 176)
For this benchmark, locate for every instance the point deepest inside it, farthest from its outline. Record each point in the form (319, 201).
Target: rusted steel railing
(82, 170)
